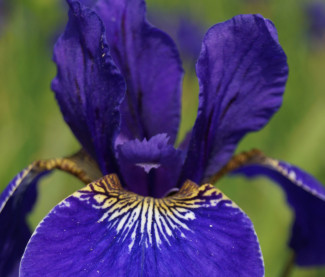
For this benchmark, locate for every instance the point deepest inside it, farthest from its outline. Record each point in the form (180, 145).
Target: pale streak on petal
(133, 215)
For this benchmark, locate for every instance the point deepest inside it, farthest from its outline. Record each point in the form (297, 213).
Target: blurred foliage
(31, 126)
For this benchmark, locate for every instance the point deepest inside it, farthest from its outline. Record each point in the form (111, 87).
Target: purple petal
(89, 87)
(315, 13)
(242, 72)
(150, 167)
(103, 230)
(190, 34)
(16, 202)
(18, 199)
(184, 29)
(306, 196)
(151, 65)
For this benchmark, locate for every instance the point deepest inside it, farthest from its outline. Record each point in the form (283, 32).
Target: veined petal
(106, 231)
(305, 195)
(16, 201)
(88, 86)
(242, 72)
(150, 62)
(150, 167)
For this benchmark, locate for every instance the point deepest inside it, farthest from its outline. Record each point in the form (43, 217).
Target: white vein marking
(145, 220)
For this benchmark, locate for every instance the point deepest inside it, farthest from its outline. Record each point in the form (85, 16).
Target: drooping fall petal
(103, 230)
(17, 201)
(306, 196)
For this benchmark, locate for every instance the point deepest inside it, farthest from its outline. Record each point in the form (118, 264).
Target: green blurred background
(31, 126)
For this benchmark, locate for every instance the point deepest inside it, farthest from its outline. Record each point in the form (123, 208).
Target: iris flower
(149, 209)
(185, 30)
(315, 15)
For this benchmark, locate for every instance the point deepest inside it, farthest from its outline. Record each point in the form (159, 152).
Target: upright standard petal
(151, 65)
(88, 86)
(150, 167)
(197, 232)
(305, 195)
(16, 201)
(242, 72)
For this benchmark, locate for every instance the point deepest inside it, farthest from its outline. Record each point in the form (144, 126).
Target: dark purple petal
(242, 72)
(315, 13)
(88, 3)
(306, 196)
(190, 35)
(103, 230)
(89, 87)
(150, 167)
(184, 29)
(16, 201)
(149, 61)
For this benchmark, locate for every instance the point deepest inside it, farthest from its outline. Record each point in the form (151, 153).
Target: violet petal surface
(16, 202)
(102, 230)
(242, 72)
(150, 63)
(88, 86)
(150, 167)
(306, 196)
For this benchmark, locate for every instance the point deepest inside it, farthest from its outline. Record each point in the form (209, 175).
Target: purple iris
(186, 32)
(154, 212)
(5, 11)
(315, 11)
